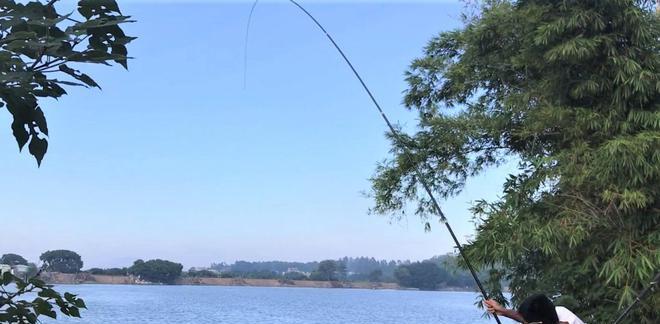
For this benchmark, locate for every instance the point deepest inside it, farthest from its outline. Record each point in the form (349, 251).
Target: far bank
(86, 278)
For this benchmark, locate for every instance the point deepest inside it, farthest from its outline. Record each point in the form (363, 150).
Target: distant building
(4, 268)
(290, 270)
(20, 270)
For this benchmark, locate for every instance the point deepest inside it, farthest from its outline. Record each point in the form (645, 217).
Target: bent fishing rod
(407, 151)
(650, 288)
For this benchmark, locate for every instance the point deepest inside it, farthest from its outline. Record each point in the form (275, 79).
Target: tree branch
(38, 59)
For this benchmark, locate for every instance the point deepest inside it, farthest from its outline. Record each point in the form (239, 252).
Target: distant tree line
(154, 271)
(434, 273)
(109, 271)
(276, 266)
(64, 261)
(437, 272)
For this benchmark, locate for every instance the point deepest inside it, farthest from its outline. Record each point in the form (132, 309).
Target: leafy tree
(160, 271)
(571, 90)
(202, 274)
(109, 272)
(39, 46)
(421, 275)
(361, 267)
(342, 272)
(327, 271)
(14, 307)
(64, 261)
(458, 276)
(13, 259)
(402, 275)
(376, 276)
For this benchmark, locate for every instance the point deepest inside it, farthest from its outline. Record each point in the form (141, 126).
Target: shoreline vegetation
(86, 278)
(436, 273)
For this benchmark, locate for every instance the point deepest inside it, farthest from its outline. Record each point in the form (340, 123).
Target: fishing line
(245, 49)
(397, 137)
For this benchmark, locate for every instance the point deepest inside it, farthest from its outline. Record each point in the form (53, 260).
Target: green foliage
(328, 270)
(342, 271)
(37, 47)
(277, 266)
(202, 274)
(376, 276)
(457, 276)
(109, 271)
(13, 259)
(157, 271)
(24, 301)
(64, 261)
(294, 275)
(420, 275)
(571, 90)
(358, 269)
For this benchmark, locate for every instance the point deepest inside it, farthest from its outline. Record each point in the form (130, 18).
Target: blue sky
(174, 159)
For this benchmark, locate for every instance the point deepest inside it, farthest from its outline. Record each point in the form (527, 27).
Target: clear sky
(174, 159)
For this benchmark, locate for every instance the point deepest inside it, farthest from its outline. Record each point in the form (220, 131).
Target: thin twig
(74, 20)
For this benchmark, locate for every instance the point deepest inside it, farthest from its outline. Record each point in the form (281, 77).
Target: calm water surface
(216, 304)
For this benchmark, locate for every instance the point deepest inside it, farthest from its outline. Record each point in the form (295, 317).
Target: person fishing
(537, 308)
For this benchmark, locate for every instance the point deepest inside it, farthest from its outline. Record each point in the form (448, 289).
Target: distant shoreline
(86, 278)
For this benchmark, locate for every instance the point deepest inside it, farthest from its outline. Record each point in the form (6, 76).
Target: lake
(219, 304)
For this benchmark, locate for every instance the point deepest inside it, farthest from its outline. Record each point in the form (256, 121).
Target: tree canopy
(421, 275)
(64, 261)
(38, 50)
(13, 259)
(159, 271)
(570, 90)
(330, 270)
(376, 276)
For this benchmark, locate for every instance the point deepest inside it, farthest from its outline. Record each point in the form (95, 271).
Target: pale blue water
(215, 304)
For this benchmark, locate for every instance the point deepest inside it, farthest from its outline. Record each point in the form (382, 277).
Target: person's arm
(494, 307)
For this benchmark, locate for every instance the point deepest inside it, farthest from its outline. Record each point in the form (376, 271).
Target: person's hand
(494, 307)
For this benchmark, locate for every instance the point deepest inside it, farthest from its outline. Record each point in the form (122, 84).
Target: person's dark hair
(538, 308)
